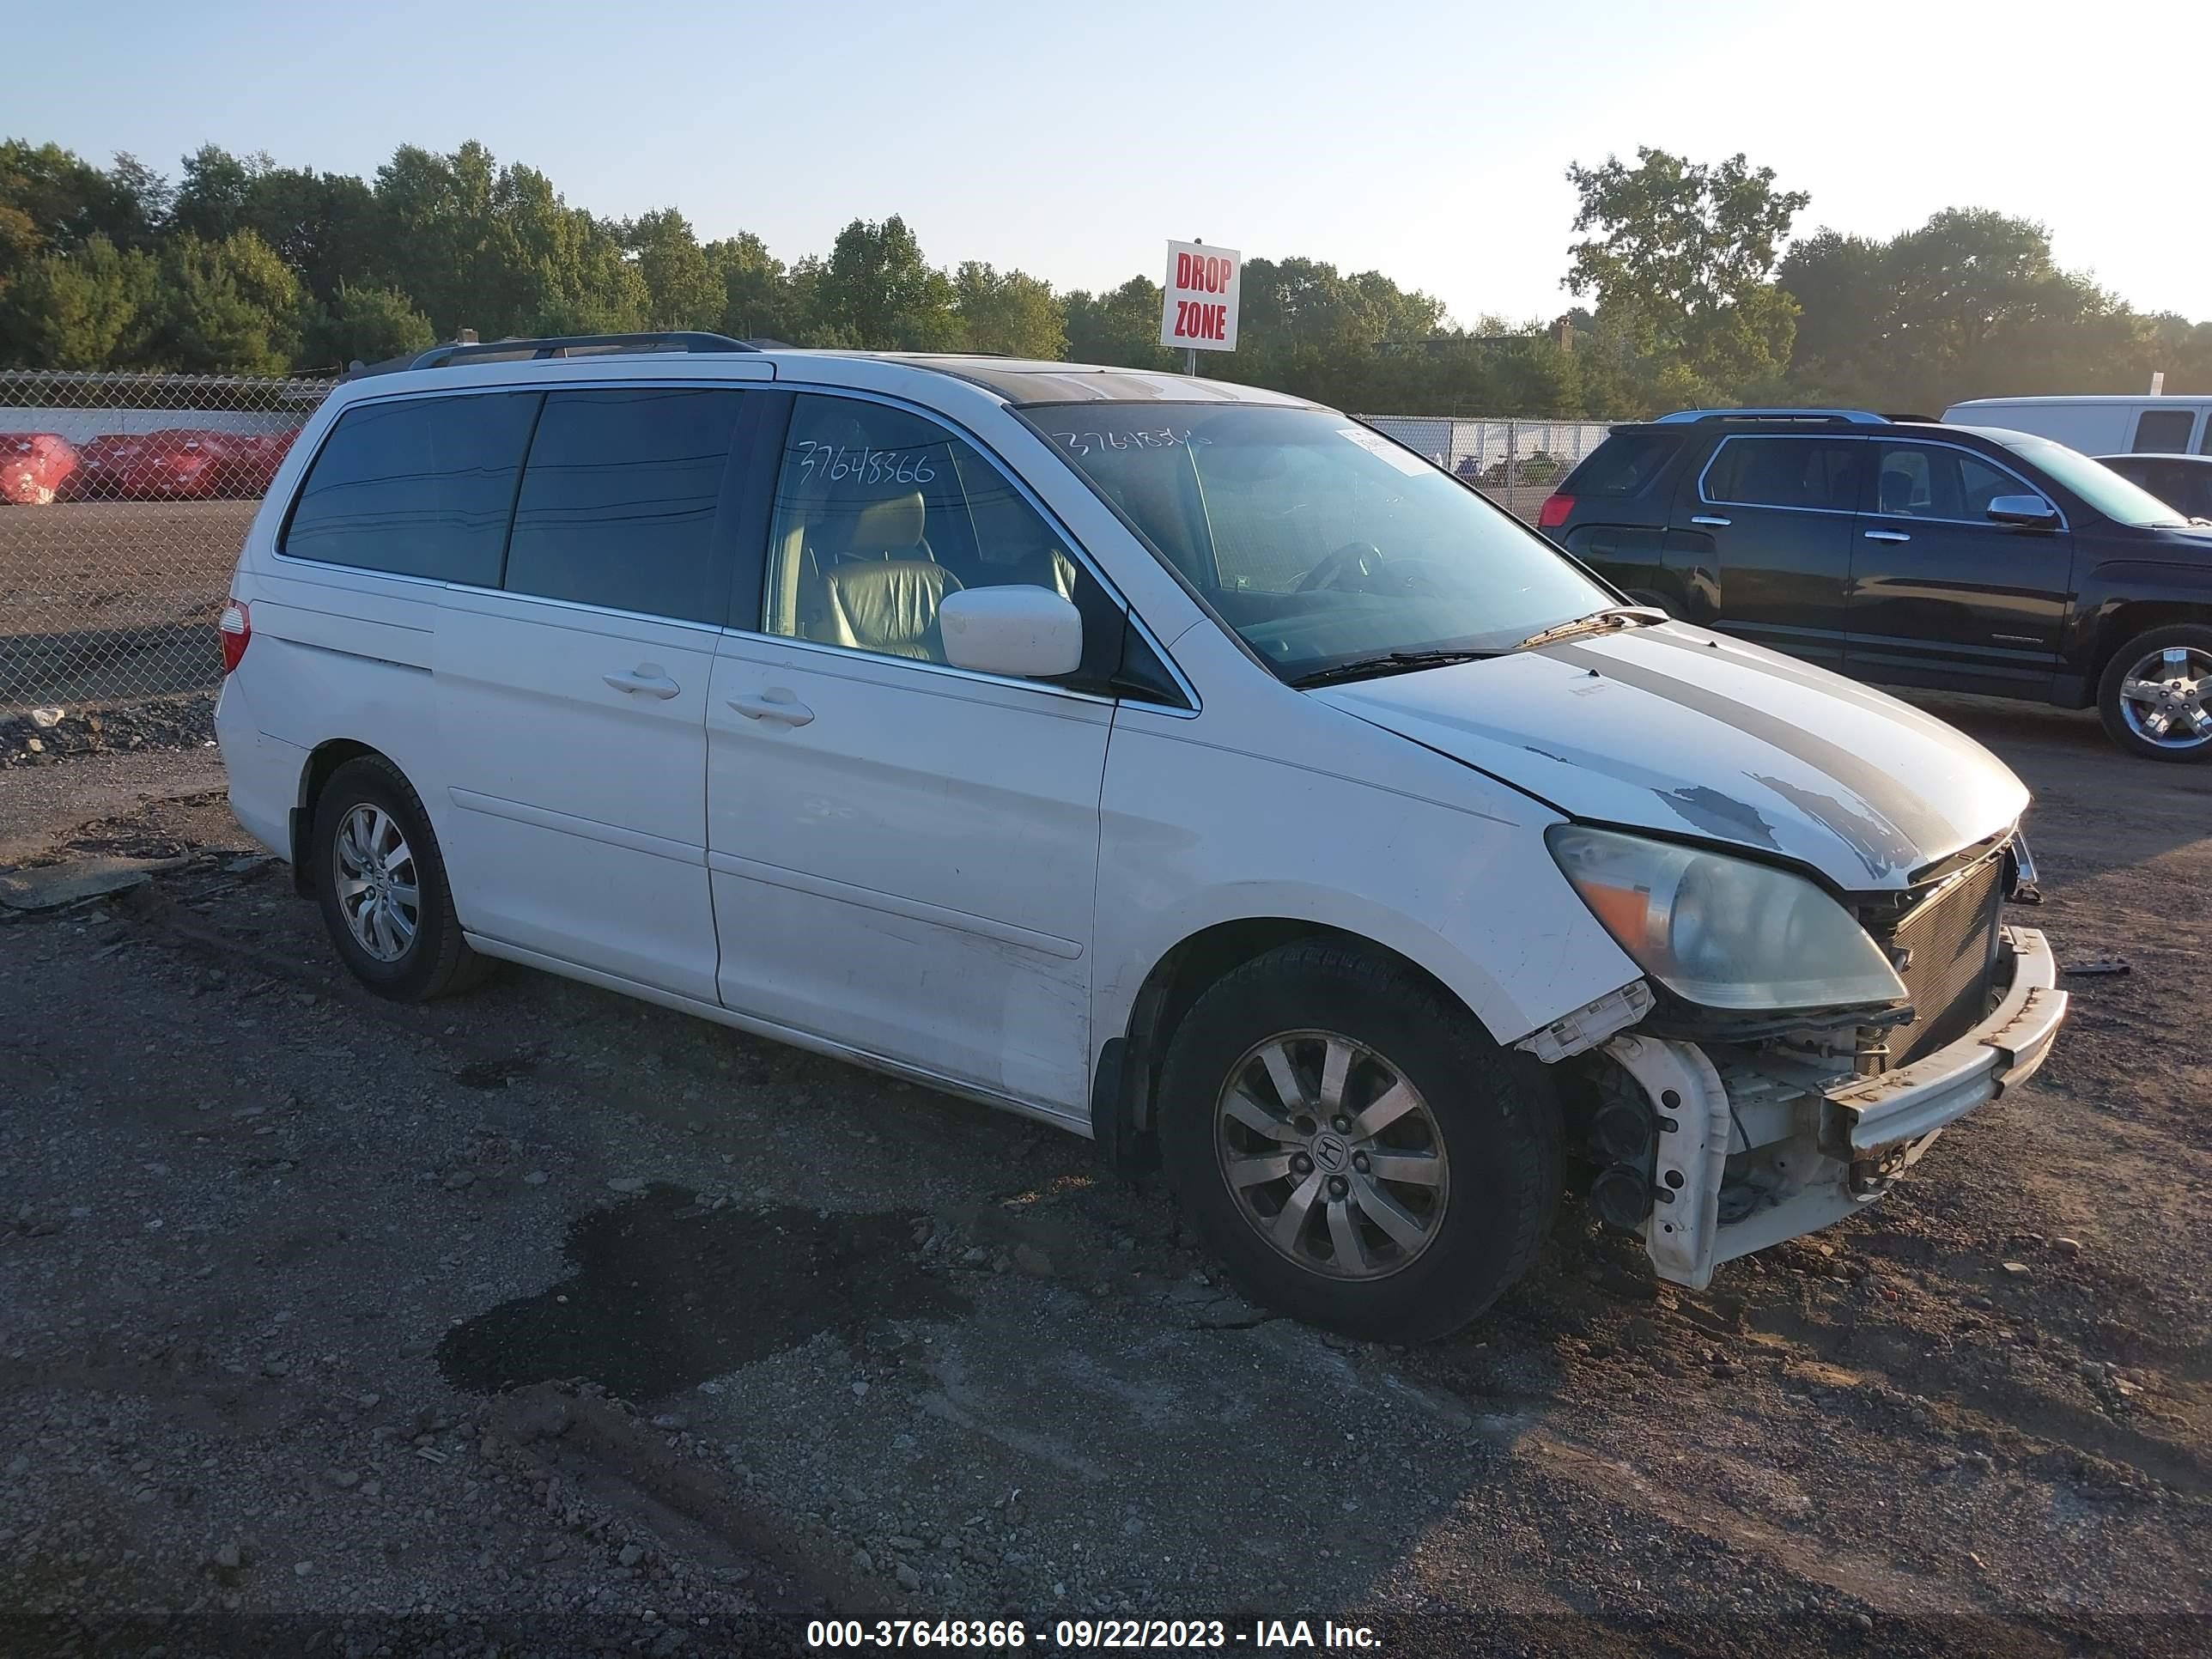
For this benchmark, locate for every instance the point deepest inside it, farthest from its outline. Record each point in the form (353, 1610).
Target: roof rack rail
(1846, 416)
(593, 345)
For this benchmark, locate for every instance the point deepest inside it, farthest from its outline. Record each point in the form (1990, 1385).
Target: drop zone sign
(1198, 308)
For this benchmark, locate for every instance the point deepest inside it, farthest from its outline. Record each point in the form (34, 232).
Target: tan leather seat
(850, 535)
(889, 605)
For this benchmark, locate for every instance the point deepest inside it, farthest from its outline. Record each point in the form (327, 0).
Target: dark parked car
(1911, 553)
(2183, 482)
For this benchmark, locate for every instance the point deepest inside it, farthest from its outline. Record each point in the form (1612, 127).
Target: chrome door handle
(646, 677)
(784, 710)
(1888, 536)
(1710, 517)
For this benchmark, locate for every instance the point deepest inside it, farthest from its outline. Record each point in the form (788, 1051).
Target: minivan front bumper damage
(1759, 1144)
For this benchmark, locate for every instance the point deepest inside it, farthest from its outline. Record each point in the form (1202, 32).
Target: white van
(2100, 425)
(1177, 762)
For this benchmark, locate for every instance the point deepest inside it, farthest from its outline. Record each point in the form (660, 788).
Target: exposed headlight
(1723, 932)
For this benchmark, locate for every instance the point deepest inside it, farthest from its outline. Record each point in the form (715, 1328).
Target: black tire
(435, 962)
(2196, 637)
(1499, 1132)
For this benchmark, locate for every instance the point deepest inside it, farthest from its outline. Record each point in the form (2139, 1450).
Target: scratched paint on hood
(1670, 728)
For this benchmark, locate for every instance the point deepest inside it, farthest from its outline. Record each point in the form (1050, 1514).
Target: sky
(1073, 138)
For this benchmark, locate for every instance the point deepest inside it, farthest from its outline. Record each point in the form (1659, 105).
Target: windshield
(2104, 490)
(1320, 542)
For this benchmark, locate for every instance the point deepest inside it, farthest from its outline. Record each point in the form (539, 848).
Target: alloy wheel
(378, 891)
(2165, 695)
(1331, 1155)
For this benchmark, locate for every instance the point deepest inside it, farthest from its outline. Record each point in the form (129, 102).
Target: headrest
(892, 525)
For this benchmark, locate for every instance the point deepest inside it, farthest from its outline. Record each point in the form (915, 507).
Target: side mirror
(1020, 631)
(2028, 511)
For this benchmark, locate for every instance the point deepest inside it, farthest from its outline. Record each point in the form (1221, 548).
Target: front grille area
(1953, 941)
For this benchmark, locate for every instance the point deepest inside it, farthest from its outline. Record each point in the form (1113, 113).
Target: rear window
(416, 487)
(618, 503)
(1621, 465)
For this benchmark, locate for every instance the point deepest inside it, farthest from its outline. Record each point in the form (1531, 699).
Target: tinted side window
(1621, 465)
(417, 487)
(2164, 431)
(618, 503)
(1928, 481)
(1803, 472)
(880, 513)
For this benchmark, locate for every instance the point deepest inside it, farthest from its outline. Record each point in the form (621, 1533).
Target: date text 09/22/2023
(1278, 1635)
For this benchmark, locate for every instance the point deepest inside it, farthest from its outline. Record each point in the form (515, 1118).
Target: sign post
(1198, 300)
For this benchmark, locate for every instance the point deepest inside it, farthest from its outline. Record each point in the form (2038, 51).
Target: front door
(1940, 595)
(572, 700)
(1767, 528)
(904, 854)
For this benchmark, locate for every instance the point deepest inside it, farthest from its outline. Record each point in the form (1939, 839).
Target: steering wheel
(1363, 557)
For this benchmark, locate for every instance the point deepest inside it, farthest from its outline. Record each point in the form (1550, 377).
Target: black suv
(1912, 553)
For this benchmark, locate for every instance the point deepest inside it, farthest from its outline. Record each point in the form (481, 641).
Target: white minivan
(2105, 424)
(1177, 762)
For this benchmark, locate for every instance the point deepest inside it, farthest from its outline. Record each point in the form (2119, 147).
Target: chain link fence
(1515, 462)
(124, 499)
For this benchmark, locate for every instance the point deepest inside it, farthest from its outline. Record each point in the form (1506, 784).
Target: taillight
(234, 628)
(1554, 514)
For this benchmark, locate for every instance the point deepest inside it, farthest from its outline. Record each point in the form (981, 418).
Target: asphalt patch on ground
(493, 1073)
(670, 1292)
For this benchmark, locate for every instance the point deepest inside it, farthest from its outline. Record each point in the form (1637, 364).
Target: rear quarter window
(416, 487)
(2164, 431)
(1622, 465)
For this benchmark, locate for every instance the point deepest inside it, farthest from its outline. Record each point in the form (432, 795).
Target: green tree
(1970, 304)
(877, 292)
(52, 198)
(89, 309)
(1303, 327)
(479, 245)
(226, 305)
(1680, 259)
(213, 195)
(1011, 312)
(366, 326)
(758, 301)
(1121, 326)
(682, 289)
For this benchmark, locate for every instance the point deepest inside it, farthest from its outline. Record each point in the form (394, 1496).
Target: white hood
(1672, 728)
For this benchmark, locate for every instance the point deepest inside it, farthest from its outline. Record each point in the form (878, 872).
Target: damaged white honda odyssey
(1175, 761)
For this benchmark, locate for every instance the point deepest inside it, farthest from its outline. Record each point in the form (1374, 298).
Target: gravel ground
(541, 1321)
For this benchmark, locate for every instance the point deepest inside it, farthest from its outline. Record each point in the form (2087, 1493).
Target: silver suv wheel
(2163, 698)
(1332, 1154)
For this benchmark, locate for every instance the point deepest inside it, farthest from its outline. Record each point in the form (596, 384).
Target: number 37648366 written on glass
(842, 464)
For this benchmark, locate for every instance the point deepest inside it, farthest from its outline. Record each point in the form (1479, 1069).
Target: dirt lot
(101, 600)
(544, 1322)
